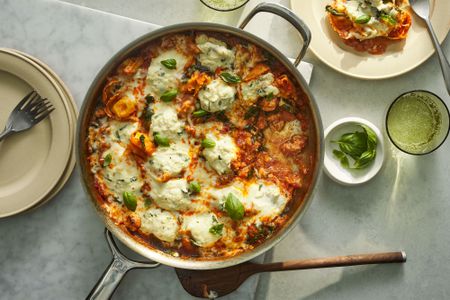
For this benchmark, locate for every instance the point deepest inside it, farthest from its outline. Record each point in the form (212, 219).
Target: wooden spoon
(220, 282)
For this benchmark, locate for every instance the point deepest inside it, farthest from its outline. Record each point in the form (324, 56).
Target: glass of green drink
(417, 122)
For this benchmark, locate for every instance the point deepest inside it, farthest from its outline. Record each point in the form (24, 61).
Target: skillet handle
(119, 266)
(289, 16)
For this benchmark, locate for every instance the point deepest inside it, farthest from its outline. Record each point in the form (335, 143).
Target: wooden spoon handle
(337, 261)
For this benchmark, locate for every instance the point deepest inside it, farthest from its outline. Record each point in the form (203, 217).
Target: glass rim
(224, 10)
(395, 101)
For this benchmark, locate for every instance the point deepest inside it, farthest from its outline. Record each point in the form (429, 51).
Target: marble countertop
(58, 251)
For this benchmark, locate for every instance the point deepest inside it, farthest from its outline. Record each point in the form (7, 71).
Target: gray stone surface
(57, 252)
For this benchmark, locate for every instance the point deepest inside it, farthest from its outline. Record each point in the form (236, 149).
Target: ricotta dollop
(260, 87)
(160, 223)
(199, 226)
(217, 96)
(220, 156)
(214, 53)
(170, 160)
(171, 195)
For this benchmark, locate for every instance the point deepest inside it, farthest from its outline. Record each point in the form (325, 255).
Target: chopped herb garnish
(147, 202)
(216, 229)
(208, 143)
(169, 63)
(142, 139)
(107, 160)
(169, 95)
(130, 201)
(234, 207)
(333, 11)
(150, 99)
(363, 19)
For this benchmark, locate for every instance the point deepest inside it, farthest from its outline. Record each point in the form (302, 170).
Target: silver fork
(31, 110)
(422, 9)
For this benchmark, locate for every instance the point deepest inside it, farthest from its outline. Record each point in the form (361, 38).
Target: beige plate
(73, 113)
(399, 58)
(31, 162)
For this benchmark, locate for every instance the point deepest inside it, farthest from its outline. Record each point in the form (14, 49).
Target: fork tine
(25, 100)
(42, 109)
(42, 115)
(39, 104)
(34, 101)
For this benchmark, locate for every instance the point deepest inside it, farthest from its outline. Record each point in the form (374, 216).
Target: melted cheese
(165, 121)
(122, 174)
(199, 226)
(259, 87)
(265, 198)
(217, 96)
(120, 131)
(171, 195)
(220, 156)
(160, 223)
(161, 79)
(374, 27)
(170, 160)
(214, 53)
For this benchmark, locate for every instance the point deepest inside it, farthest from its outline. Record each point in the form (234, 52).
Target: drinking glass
(417, 122)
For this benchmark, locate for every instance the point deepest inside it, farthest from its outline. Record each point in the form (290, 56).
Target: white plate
(31, 162)
(332, 165)
(399, 58)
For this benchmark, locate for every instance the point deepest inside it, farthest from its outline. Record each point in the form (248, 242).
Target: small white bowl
(333, 166)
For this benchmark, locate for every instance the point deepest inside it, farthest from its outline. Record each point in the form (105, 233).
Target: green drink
(224, 5)
(417, 122)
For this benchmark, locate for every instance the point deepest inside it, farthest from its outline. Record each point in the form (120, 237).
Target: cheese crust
(199, 145)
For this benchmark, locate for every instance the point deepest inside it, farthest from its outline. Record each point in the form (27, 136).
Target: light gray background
(58, 252)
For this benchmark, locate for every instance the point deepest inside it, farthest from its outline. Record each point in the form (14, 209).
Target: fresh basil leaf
(363, 19)
(365, 159)
(353, 144)
(194, 187)
(169, 95)
(130, 201)
(107, 160)
(342, 158)
(371, 137)
(216, 229)
(169, 63)
(388, 18)
(230, 78)
(161, 141)
(208, 143)
(200, 113)
(234, 207)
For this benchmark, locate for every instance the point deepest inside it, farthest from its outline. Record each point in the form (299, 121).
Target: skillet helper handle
(119, 266)
(330, 262)
(289, 16)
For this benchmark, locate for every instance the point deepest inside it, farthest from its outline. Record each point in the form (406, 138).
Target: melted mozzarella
(170, 160)
(217, 96)
(220, 156)
(120, 131)
(171, 195)
(121, 175)
(165, 121)
(214, 53)
(220, 195)
(160, 223)
(259, 87)
(199, 226)
(358, 8)
(265, 198)
(161, 79)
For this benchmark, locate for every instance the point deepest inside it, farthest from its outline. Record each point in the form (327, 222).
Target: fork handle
(445, 66)
(7, 131)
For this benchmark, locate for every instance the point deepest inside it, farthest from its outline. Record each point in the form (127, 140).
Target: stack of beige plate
(34, 164)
